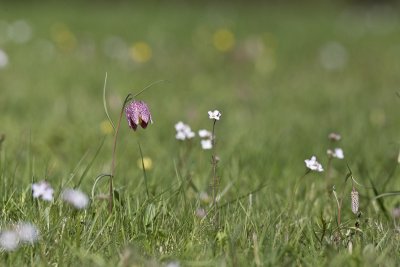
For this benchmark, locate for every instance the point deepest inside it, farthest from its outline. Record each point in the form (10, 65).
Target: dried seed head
(354, 201)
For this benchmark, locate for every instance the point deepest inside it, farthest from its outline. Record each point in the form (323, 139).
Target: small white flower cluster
(313, 164)
(206, 139)
(183, 131)
(76, 198)
(336, 152)
(22, 232)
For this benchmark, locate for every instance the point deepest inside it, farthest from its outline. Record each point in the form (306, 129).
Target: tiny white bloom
(334, 136)
(188, 132)
(336, 153)
(180, 126)
(173, 264)
(214, 115)
(180, 135)
(43, 190)
(204, 133)
(206, 144)
(313, 164)
(339, 153)
(76, 198)
(27, 232)
(183, 131)
(9, 240)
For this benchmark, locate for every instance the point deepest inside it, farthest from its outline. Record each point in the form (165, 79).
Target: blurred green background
(283, 75)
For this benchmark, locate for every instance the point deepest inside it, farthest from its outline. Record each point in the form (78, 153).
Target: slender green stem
(214, 162)
(144, 171)
(128, 97)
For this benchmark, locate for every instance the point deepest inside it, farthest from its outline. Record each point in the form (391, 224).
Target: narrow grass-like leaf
(105, 103)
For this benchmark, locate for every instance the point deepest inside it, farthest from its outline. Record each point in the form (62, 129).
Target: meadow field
(284, 77)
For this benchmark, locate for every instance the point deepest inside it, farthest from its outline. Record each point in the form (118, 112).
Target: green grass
(278, 108)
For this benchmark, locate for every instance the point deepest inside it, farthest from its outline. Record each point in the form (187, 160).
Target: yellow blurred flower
(147, 162)
(106, 127)
(63, 37)
(223, 40)
(141, 52)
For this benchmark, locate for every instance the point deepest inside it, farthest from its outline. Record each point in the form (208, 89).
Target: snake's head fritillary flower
(138, 113)
(214, 115)
(313, 164)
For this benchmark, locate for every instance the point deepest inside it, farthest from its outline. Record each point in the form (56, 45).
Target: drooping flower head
(138, 113)
(313, 164)
(42, 190)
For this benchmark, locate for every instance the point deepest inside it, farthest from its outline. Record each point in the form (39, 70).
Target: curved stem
(128, 97)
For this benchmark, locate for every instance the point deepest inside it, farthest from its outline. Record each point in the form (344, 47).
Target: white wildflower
(43, 190)
(334, 137)
(204, 133)
(313, 164)
(214, 115)
(180, 126)
(76, 198)
(183, 131)
(336, 153)
(9, 240)
(206, 144)
(27, 232)
(201, 213)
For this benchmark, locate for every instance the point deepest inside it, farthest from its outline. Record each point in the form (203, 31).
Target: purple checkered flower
(138, 113)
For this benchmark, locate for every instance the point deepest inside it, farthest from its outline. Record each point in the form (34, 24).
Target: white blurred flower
(334, 137)
(20, 31)
(333, 56)
(43, 190)
(173, 264)
(336, 153)
(183, 131)
(180, 126)
(3, 59)
(214, 115)
(313, 164)
(76, 198)
(27, 232)
(9, 240)
(206, 144)
(204, 133)
(201, 213)
(180, 135)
